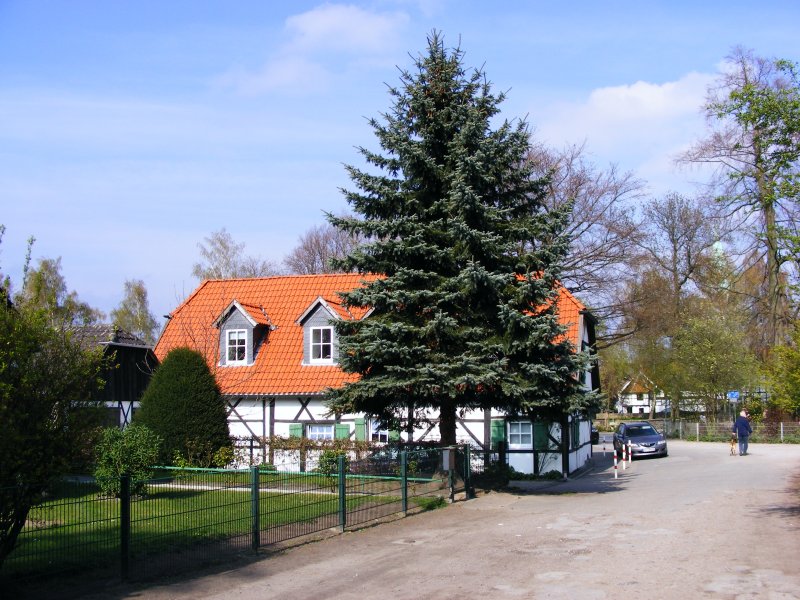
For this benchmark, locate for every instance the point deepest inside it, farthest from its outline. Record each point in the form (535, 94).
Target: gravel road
(698, 524)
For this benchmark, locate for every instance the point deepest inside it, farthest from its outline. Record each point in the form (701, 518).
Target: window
(237, 346)
(319, 432)
(520, 433)
(321, 344)
(377, 433)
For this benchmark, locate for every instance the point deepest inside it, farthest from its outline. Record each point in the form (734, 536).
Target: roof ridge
(289, 276)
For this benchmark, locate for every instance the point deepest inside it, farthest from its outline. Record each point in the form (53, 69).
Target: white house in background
(639, 394)
(272, 347)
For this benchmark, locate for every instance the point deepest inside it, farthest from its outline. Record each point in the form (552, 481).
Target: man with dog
(742, 429)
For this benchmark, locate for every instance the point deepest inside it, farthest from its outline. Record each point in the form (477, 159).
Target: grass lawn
(75, 528)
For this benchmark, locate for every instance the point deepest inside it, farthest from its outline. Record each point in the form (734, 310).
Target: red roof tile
(279, 302)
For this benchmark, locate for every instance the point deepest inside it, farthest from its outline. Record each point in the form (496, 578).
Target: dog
(733, 444)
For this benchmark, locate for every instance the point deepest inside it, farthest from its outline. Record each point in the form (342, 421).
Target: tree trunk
(447, 423)
(767, 206)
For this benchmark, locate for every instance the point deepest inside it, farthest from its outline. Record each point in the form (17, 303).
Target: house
(131, 365)
(638, 395)
(272, 347)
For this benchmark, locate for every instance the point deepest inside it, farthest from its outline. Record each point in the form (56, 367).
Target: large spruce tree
(465, 316)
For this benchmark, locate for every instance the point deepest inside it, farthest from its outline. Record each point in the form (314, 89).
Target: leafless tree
(681, 234)
(603, 227)
(317, 247)
(223, 258)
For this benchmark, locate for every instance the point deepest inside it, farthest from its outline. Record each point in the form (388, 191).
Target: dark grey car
(644, 439)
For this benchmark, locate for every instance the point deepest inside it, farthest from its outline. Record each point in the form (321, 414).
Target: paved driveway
(697, 524)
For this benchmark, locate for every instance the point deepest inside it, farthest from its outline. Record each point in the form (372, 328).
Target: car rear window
(640, 430)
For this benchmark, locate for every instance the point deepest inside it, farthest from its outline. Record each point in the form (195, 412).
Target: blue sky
(129, 131)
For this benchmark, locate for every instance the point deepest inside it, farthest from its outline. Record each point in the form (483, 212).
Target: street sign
(733, 396)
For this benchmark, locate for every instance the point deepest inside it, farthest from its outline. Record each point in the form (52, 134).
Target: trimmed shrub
(183, 405)
(329, 464)
(132, 450)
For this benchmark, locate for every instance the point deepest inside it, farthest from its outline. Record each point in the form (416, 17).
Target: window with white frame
(319, 432)
(236, 346)
(377, 433)
(321, 345)
(520, 433)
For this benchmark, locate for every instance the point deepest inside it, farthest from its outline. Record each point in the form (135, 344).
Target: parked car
(595, 436)
(644, 438)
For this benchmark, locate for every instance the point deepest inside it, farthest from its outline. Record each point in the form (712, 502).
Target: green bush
(329, 464)
(495, 476)
(132, 450)
(183, 405)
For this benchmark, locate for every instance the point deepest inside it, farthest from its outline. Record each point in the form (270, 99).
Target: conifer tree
(465, 314)
(182, 404)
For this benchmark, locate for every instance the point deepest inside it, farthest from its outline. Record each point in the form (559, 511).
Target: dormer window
(236, 346)
(321, 345)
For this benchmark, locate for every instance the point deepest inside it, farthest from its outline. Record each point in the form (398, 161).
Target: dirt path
(697, 524)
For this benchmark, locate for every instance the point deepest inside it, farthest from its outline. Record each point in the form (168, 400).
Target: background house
(132, 363)
(271, 344)
(639, 394)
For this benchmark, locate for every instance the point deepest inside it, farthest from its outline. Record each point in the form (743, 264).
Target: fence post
(124, 524)
(468, 472)
(255, 510)
(404, 480)
(697, 430)
(781, 432)
(342, 491)
(451, 472)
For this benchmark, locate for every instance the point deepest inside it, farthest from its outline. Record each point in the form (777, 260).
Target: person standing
(742, 429)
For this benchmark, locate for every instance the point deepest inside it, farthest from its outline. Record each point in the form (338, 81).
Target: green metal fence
(189, 516)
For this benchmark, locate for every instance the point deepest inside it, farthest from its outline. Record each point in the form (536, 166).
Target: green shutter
(394, 435)
(540, 433)
(341, 431)
(498, 431)
(295, 430)
(361, 429)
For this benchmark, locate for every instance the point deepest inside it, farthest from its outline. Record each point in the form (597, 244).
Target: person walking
(742, 429)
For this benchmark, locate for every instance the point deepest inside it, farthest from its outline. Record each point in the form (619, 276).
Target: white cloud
(292, 74)
(345, 28)
(641, 126)
(303, 64)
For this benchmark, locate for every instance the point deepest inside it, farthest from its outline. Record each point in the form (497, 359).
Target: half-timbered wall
(262, 417)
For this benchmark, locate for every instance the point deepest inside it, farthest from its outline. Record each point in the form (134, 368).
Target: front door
(520, 437)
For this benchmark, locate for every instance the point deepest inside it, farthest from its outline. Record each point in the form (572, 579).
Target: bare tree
(223, 258)
(679, 242)
(318, 247)
(753, 113)
(603, 227)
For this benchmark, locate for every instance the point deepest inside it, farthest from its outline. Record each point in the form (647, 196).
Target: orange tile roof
(569, 314)
(279, 302)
